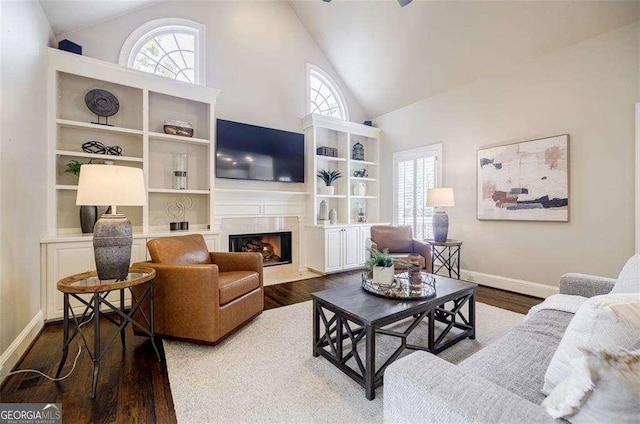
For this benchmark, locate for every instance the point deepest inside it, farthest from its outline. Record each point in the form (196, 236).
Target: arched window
(325, 98)
(172, 48)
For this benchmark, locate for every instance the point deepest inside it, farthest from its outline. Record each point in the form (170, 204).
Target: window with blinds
(415, 172)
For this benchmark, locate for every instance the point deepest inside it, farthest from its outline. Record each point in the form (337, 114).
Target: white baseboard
(18, 347)
(511, 284)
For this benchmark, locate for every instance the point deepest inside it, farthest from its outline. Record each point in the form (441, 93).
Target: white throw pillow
(604, 387)
(629, 278)
(603, 322)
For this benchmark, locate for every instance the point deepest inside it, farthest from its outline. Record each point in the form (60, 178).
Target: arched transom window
(325, 97)
(172, 48)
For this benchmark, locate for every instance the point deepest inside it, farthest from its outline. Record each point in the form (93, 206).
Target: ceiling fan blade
(402, 3)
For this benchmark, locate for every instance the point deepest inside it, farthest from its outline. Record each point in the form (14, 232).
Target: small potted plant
(380, 266)
(73, 167)
(328, 177)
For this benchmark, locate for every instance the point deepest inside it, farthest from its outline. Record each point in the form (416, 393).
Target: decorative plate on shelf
(102, 102)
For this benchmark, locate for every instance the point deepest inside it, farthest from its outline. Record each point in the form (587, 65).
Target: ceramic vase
(359, 189)
(88, 218)
(383, 274)
(327, 190)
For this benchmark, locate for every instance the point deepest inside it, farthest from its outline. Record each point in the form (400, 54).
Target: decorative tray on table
(402, 287)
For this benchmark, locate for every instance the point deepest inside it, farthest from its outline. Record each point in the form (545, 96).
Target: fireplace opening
(274, 247)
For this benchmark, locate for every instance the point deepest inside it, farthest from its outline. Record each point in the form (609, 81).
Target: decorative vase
(333, 216)
(327, 190)
(112, 241)
(359, 189)
(440, 226)
(383, 274)
(323, 213)
(88, 218)
(180, 171)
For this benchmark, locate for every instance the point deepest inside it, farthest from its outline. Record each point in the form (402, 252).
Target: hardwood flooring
(133, 385)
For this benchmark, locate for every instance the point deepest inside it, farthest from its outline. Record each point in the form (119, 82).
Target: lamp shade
(440, 197)
(111, 185)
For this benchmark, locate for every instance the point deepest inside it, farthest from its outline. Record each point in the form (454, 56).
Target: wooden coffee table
(349, 314)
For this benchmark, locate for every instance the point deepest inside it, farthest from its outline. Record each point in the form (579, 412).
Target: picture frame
(524, 181)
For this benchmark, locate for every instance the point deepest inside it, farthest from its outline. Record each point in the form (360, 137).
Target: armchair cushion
(396, 239)
(234, 284)
(190, 249)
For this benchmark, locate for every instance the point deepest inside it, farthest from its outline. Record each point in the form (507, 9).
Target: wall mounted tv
(249, 152)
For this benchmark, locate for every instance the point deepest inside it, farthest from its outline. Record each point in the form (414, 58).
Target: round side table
(445, 254)
(88, 283)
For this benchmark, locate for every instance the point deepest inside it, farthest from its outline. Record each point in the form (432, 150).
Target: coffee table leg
(316, 328)
(370, 368)
(472, 316)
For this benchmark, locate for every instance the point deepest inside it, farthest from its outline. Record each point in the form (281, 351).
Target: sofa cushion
(602, 322)
(519, 359)
(604, 386)
(629, 278)
(190, 249)
(234, 284)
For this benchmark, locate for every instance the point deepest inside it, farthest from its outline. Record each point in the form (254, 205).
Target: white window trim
(331, 83)
(430, 150)
(144, 32)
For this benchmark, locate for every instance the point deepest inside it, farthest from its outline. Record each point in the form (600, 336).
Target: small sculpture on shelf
(361, 173)
(323, 213)
(103, 103)
(362, 214)
(176, 210)
(357, 152)
(181, 128)
(98, 148)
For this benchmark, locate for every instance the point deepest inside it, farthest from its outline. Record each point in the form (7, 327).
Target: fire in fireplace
(274, 247)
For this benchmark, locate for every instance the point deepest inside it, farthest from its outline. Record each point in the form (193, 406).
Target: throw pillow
(602, 322)
(604, 387)
(629, 278)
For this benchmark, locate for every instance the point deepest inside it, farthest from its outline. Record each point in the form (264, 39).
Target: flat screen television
(249, 152)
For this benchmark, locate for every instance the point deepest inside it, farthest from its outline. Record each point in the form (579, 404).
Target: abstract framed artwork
(525, 181)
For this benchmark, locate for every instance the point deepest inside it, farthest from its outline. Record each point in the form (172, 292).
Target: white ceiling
(70, 15)
(390, 56)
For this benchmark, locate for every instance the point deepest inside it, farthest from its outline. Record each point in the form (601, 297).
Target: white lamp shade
(440, 197)
(111, 185)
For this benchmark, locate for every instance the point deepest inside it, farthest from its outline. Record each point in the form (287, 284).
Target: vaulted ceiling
(391, 56)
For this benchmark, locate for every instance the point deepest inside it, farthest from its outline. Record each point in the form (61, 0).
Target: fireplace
(274, 247)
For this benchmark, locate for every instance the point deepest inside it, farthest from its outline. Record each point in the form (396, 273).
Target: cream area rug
(265, 373)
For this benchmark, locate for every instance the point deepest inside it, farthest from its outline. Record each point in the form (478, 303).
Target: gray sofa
(499, 384)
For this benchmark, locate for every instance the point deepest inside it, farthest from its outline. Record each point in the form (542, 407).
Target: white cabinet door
(351, 237)
(333, 248)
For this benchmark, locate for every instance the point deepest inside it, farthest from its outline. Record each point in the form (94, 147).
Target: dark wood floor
(133, 386)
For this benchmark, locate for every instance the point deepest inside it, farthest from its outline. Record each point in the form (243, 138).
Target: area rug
(266, 373)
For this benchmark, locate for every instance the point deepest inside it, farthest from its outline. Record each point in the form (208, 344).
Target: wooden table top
(353, 300)
(449, 242)
(88, 282)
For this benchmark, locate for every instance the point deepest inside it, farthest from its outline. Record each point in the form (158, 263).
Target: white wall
(256, 54)
(587, 90)
(23, 152)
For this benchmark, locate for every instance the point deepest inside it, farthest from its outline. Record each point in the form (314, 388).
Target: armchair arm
(423, 249)
(422, 388)
(585, 285)
(184, 293)
(238, 261)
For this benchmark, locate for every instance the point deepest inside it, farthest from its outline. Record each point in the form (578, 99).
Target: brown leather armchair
(401, 244)
(202, 296)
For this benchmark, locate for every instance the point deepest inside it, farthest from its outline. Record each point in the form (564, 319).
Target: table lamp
(440, 198)
(110, 185)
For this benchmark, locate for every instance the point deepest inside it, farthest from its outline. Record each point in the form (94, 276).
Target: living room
(408, 85)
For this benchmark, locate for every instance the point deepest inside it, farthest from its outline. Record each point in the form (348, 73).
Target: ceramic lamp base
(440, 226)
(112, 239)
